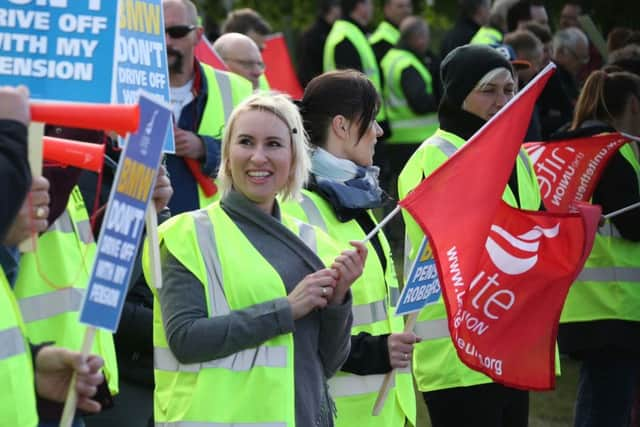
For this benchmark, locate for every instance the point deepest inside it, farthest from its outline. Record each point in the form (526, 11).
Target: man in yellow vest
(241, 56)
(202, 98)
(409, 90)
(347, 47)
(387, 33)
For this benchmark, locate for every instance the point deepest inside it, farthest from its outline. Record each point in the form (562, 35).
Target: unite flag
(568, 170)
(504, 272)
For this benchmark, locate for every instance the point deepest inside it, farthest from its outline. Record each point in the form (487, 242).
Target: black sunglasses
(179, 31)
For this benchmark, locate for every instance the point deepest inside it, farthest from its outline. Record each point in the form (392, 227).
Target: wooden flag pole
(70, 404)
(153, 245)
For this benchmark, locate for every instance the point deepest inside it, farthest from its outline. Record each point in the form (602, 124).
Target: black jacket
(310, 50)
(15, 175)
(459, 35)
(556, 102)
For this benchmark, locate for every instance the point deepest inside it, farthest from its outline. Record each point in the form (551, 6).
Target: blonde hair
(280, 106)
(496, 73)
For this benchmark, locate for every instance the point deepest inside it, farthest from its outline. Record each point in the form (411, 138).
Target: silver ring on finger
(324, 291)
(405, 356)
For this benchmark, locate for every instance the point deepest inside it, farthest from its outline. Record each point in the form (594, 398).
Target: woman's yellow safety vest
(251, 387)
(375, 295)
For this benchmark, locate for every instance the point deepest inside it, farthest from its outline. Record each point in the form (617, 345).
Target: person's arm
(415, 90)
(618, 188)
(211, 160)
(369, 355)
(193, 337)
(346, 56)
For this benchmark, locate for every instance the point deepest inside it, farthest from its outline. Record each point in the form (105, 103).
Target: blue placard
(61, 50)
(423, 286)
(141, 55)
(124, 219)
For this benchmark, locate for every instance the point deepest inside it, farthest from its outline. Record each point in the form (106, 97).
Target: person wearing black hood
(600, 322)
(477, 81)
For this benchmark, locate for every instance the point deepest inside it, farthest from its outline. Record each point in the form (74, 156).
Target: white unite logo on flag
(528, 242)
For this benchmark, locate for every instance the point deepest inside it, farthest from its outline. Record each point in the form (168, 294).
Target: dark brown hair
(342, 92)
(604, 96)
(244, 20)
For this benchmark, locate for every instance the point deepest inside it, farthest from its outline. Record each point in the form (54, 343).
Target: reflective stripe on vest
(39, 307)
(271, 357)
(432, 329)
(312, 212)
(447, 147)
(209, 251)
(226, 90)
(12, 343)
(205, 424)
(609, 230)
(368, 313)
(307, 234)
(64, 224)
(356, 384)
(609, 274)
(431, 120)
(527, 164)
(394, 294)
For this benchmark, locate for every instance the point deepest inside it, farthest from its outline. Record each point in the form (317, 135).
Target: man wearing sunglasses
(202, 98)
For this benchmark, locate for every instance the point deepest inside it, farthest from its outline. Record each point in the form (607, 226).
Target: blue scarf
(348, 187)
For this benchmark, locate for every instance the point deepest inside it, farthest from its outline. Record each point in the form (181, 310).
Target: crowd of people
(274, 310)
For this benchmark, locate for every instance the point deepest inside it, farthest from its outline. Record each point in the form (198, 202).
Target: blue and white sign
(423, 286)
(61, 50)
(141, 55)
(123, 222)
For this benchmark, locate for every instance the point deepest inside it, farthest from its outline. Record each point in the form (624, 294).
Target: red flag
(505, 272)
(279, 68)
(569, 170)
(205, 53)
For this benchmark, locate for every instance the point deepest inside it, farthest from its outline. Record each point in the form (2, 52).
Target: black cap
(465, 66)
